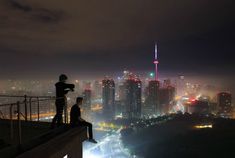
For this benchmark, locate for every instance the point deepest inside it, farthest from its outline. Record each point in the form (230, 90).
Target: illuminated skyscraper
(224, 102)
(132, 98)
(152, 98)
(181, 85)
(87, 99)
(121, 93)
(108, 96)
(86, 104)
(97, 89)
(166, 98)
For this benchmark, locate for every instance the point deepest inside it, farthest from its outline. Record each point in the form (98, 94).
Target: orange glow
(203, 126)
(97, 107)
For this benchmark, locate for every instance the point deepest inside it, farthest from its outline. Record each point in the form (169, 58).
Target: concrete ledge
(14, 150)
(30, 130)
(68, 143)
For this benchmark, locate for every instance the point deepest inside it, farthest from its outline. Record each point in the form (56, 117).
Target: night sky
(43, 38)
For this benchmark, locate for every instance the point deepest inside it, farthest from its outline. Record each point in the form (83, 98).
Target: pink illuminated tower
(156, 63)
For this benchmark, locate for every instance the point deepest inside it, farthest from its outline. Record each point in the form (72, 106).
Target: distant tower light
(151, 74)
(155, 51)
(156, 62)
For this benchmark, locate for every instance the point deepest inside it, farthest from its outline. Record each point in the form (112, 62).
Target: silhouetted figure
(62, 88)
(76, 120)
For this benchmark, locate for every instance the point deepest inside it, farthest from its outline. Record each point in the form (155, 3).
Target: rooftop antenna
(156, 63)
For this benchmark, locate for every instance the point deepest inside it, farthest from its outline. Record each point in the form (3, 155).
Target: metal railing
(28, 108)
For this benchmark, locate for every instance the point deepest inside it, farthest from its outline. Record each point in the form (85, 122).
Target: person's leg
(55, 119)
(59, 115)
(89, 125)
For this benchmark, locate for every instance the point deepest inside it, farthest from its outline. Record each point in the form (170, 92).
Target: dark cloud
(48, 16)
(17, 5)
(76, 35)
(37, 13)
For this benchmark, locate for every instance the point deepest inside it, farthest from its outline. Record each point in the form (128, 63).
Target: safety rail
(28, 109)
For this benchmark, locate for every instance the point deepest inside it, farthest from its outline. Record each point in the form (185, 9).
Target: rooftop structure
(25, 131)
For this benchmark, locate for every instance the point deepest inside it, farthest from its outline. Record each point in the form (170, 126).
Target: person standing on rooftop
(62, 88)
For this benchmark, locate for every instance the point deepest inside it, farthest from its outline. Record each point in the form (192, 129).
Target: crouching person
(76, 120)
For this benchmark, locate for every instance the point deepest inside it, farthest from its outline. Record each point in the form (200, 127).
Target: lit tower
(152, 100)
(108, 97)
(156, 63)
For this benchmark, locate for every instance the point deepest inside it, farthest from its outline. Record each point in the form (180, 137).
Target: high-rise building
(224, 102)
(132, 98)
(166, 98)
(166, 83)
(152, 98)
(120, 99)
(180, 85)
(121, 92)
(86, 99)
(86, 104)
(97, 90)
(198, 106)
(108, 97)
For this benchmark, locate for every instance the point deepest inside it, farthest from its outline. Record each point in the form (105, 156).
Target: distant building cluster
(133, 96)
(129, 96)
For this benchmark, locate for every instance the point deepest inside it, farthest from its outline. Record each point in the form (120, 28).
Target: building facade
(224, 103)
(152, 97)
(108, 97)
(132, 98)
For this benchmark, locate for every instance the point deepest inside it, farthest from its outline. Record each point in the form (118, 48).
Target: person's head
(63, 78)
(79, 101)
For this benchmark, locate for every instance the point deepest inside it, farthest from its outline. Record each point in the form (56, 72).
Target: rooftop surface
(34, 135)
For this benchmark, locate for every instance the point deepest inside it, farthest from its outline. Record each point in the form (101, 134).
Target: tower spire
(156, 62)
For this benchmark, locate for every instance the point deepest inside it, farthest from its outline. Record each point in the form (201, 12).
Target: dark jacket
(62, 89)
(75, 114)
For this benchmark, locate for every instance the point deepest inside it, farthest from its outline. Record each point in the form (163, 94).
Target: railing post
(65, 112)
(19, 123)
(25, 108)
(38, 107)
(30, 108)
(11, 123)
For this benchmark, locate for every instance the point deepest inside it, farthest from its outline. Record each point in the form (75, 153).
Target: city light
(110, 146)
(97, 107)
(203, 126)
(151, 74)
(90, 155)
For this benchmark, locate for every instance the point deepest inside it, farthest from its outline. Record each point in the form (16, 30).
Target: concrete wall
(68, 143)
